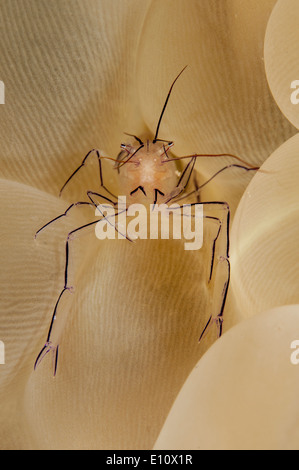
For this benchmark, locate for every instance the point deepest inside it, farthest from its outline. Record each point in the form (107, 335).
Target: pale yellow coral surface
(281, 62)
(243, 393)
(77, 75)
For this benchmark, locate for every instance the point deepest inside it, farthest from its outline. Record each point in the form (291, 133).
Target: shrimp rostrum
(149, 174)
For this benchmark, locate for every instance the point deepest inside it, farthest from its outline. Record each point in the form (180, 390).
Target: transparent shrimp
(149, 174)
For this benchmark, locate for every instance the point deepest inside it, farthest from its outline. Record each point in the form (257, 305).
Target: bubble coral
(76, 77)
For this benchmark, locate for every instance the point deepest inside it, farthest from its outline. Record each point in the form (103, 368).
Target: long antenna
(165, 104)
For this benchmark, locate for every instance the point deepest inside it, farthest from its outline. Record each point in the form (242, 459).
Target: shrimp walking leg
(72, 206)
(220, 264)
(99, 158)
(52, 344)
